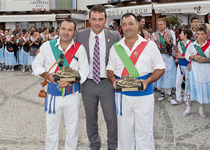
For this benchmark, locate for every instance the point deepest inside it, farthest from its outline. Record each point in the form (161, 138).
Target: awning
(27, 18)
(116, 13)
(195, 7)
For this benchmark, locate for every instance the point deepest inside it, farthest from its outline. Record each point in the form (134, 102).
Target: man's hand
(114, 83)
(154, 37)
(51, 78)
(145, 84)
(200, 59)
(63, 84)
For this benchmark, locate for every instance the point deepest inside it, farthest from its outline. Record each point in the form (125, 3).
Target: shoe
(4, 69)
(23, 70)
(8, 70)
(161, 98)
(175, 102)
(30, 70)
(13, 70)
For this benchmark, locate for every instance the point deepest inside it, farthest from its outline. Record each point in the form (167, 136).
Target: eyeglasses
(60, 64)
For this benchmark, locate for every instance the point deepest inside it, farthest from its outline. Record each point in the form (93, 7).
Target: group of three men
(96, 53)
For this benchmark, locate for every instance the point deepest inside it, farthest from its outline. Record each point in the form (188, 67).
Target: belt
(100, 78)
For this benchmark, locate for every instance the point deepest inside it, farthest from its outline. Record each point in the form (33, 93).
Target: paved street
(22, 120)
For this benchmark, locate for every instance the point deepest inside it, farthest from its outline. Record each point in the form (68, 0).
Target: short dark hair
(194, 18)
(139, 17)
(70, 21)
(51, 30)
(188, 32)
(98, 8)
(128, 15)
(45, 28)
(201, 29)
(24, 31)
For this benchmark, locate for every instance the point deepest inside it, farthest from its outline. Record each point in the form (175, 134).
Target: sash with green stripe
(129, 62)
(57, 52)
(200, 52)
(183, 47)
(126, 60)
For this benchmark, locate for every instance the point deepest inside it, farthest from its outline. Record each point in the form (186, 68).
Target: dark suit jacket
(111, 37)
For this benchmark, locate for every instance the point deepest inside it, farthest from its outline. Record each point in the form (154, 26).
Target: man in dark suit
(97, 42)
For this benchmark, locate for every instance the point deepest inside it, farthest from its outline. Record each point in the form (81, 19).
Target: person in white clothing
(198, 53)
(135, 108)
(62, 97)
(182, 64)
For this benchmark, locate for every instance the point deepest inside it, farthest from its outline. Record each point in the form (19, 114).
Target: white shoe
(161, 98)
(13, 70)
(23, 70)
(4, 69)
(8, 70)
(175, 102)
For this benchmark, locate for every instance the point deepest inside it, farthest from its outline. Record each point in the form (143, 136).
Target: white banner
(196, 7)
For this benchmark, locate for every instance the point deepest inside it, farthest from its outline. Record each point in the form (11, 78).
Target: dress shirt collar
(139, 40)
(59, 46)
(196, 43)
(100, 35)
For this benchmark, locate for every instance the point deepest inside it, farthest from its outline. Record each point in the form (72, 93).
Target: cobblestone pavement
(22, 120)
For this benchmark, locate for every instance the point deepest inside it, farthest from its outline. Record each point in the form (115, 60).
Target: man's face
(201, 35)
(67, 31)
(195, 23)
(161, 25)
(129, 27)
(97, 21)
(142, 23)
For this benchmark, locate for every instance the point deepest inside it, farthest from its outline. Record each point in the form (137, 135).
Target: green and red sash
(68, 55)
(129, 62)
(183, 47)
(201, 50)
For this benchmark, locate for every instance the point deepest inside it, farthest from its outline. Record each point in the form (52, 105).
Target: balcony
(63, 4)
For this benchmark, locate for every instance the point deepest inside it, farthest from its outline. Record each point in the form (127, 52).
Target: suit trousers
(135, 126)
(69, 106)
(93, 94)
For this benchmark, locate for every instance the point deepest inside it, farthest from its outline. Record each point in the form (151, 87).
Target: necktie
(96, 62)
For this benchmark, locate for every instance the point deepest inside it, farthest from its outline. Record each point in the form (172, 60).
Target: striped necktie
(96, 62)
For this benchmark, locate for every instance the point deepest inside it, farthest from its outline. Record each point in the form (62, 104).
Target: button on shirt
(102, 47)
(45, 59)
(148, 61)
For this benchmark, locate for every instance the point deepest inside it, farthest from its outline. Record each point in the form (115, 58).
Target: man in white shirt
(135, 108)
(62, 97)
(166, 40)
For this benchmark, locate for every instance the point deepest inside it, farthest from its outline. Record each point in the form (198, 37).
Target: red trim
(186, 47)
(70, 52)
(161, 46)
(204, 48)
(134, 57)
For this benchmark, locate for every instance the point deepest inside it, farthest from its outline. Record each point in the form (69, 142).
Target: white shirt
(45, 59)
(191, 51)
(179, 47)
(102, 48)
(149, 60)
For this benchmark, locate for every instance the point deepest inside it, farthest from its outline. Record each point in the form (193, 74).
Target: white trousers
(179, 79)
(69, 106)
(135, 126)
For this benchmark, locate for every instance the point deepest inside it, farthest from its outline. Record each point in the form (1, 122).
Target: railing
(63, 4)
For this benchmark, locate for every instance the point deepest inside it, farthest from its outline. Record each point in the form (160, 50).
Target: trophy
(129, 83)
(66, 74)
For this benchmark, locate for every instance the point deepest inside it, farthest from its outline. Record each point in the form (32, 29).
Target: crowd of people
(19, 47)
(166, 60)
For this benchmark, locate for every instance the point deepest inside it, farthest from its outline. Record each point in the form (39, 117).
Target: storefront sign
(143, 9)
(39, 5)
